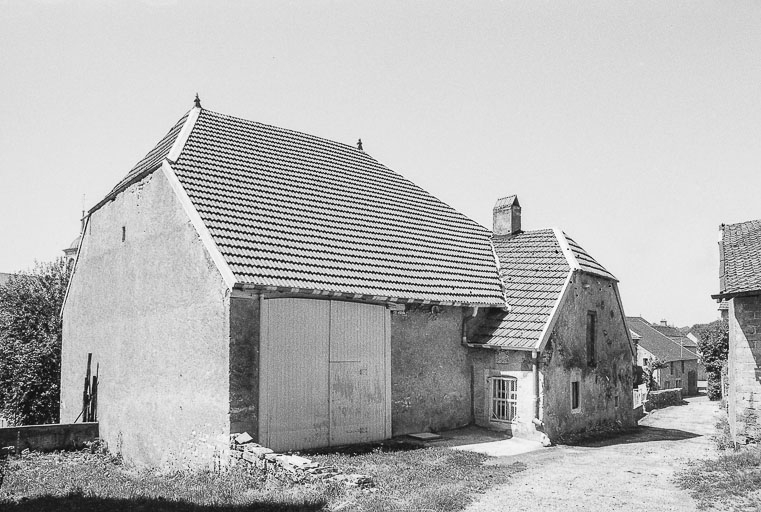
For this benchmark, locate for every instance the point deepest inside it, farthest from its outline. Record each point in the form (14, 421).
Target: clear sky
(635, 126)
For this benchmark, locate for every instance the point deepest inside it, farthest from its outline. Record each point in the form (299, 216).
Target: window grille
(504, 398)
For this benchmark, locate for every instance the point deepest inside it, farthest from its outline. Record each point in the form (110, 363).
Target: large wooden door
(357, 373)
(324, 373)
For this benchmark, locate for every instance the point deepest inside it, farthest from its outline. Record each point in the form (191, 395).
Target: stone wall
(430, 373)
(663, 398)
(745, 368)
(149, 303)
(48, 437)
(605, 387)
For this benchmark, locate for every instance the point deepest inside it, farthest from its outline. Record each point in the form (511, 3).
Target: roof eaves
(566, 248)
(172, 156)
(182, 138)
(199, 225)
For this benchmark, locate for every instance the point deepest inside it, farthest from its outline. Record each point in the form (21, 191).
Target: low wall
(663, 398)
(48, 437)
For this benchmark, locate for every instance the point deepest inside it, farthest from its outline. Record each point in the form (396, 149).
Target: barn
(244, 277)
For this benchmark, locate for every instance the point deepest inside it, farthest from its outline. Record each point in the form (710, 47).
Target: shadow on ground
(640, 434)
(81, 503)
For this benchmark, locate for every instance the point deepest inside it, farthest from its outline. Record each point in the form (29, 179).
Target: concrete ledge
(49, 437)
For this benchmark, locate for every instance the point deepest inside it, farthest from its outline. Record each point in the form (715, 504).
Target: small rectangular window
(615, 401)
(504, 399)
(671, 368)
(682, 366)
(644, 361)
(591, 337)
(667, 385)
(124, 233)
(575, 395)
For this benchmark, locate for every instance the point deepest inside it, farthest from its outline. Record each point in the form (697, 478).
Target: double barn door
(324, 373)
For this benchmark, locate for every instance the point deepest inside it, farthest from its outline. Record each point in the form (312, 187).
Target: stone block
(243, 438)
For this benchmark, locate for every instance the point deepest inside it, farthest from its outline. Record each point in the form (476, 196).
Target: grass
(423, 479)
(419, 479)
(734, 477)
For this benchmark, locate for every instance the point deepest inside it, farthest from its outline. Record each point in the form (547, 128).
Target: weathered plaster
(430, 374)
(565, 357)
(148, 302)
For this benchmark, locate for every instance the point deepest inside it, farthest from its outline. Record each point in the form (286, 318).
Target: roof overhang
(731, 295)
(241, 289)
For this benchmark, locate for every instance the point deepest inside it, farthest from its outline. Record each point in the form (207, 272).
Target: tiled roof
(287, 209)
(155, 156)
(533, 269)
(740, 258)
(586, 262)
(660, 345)
(676, 335)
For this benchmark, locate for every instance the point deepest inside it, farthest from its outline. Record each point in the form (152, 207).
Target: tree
(30, 343)
(649, 370)
(713, 342)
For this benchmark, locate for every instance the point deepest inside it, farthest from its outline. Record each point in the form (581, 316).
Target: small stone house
(740, 290)
(564, 342)
(681, 371)
(244, 277)
(690, 342)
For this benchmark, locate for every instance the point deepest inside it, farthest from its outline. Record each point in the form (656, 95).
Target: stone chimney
(507, 216)
(664, 323)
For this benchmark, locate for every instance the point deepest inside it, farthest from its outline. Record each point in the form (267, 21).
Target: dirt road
(631, 472)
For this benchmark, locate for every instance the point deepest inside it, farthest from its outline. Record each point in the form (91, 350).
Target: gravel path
(632, 472)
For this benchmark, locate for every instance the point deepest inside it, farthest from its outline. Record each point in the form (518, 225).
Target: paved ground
(631, 472)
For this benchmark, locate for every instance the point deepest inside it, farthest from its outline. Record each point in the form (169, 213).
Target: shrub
(30, 343)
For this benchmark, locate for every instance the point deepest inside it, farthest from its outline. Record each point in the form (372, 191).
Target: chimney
(507, 216)
(664, 323)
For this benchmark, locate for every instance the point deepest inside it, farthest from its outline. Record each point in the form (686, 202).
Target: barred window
(504, 398)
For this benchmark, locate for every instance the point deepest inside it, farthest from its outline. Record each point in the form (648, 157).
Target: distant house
(243, 277)
(684, 340)
(740, 289)
(682, 363)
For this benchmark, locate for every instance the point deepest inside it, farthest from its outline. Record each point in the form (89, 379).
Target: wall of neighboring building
(605, 387)
(512, 364)
(745, 368)
(150, 305)
(430, 372)
(676, 376)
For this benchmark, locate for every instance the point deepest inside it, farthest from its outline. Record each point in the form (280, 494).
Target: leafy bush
(713, 342)
(30, 343)
(714, 387)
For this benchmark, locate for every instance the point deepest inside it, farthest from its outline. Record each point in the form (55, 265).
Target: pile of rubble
(291, 468)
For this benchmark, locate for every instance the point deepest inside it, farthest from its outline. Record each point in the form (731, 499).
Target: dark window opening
(671, 368)
(591, 337)
(682, 366)
(644, 361)
(124, 233)
(574, 395)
